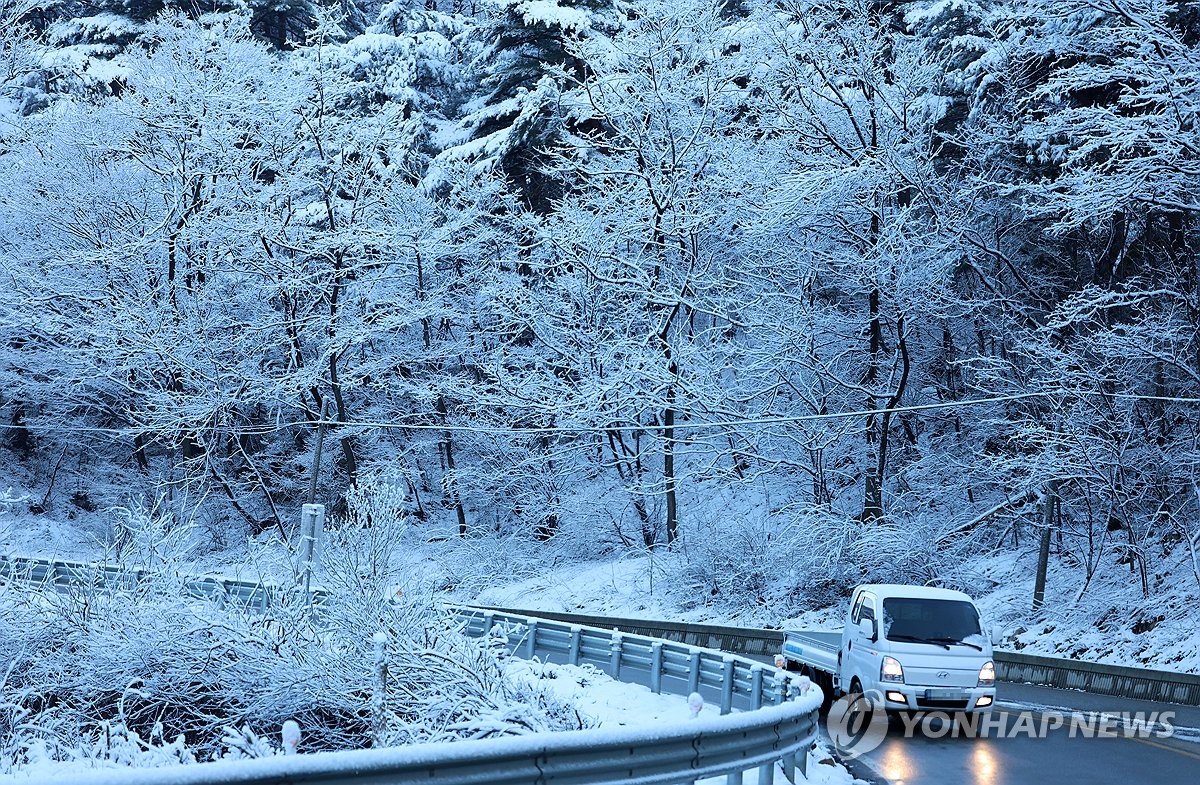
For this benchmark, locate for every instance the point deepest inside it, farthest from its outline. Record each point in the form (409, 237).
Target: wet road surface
(1012, 753)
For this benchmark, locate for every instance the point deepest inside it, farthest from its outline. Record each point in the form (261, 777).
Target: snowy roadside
(1110, 623)
(613, 704)
(1075, 627)
(601, 701)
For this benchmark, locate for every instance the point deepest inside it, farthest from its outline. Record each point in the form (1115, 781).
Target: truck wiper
(915, 639)
(957, 642)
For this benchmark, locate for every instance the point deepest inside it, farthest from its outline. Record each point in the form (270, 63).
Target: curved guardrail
(778, 723)
(1102, 679)
(708, 748)
(1099, 678)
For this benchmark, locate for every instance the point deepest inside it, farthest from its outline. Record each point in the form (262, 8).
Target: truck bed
(818, 650)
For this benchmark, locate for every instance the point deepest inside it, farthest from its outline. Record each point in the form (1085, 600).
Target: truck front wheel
(859, 705)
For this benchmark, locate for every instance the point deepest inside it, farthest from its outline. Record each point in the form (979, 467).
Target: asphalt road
(1017, 756)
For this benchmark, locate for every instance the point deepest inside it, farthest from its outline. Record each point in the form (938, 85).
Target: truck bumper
(908, 697)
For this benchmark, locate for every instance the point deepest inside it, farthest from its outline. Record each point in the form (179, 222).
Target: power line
(693, 426)
(254, 430)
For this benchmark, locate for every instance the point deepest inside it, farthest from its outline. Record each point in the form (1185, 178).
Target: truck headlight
(987, 675)
(891, 671)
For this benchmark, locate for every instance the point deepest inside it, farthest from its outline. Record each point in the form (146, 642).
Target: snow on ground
(1109, 623)
(610, 703)
(43, 536)
(601, 701)
(614, 588)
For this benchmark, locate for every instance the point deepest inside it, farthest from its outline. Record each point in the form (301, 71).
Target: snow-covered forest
(795, 293)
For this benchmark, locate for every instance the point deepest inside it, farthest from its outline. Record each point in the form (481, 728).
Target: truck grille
(929, 677)
(951, 704)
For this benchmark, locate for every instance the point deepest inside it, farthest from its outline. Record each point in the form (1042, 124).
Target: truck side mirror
(994, 636)
(867, 628)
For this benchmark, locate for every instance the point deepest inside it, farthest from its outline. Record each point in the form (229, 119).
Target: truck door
(861, 656)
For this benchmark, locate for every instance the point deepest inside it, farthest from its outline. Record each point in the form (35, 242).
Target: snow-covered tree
(523, 55)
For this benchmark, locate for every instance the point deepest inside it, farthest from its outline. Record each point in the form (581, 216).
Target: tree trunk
(669, 467)
(893, 402)
(872, 499)
(349, 453)
(452, 476)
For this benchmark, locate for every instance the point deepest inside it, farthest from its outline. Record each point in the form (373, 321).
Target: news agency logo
(858, 724)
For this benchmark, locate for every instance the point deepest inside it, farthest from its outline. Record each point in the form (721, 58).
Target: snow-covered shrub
(758, 565)
(151, 676)
(477, 562)
(790, 561)
(438, 684)
(150, 538)
(242, 743)
(113, 743)
(151, 664)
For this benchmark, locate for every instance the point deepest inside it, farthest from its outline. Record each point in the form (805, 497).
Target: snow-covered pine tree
(408, 63)
(522, 60)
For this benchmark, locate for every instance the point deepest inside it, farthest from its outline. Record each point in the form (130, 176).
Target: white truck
(920, 648)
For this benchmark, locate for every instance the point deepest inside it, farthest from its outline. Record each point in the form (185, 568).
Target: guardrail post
(489, 621)
(531, 641)
(803, 759)
(789, 766)
(756, 687)
(781, 682)
(656, 657)
(766, 774)
(576, 635)
(694, 672)
(735, 778)
(726, 684)
(614, 664)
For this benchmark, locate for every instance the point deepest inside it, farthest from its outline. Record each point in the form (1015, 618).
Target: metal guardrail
(1115, 680)
(1100, 678)
(75, 575)
(725, 680)
(749, 641)
(778, 724)
(623, 757)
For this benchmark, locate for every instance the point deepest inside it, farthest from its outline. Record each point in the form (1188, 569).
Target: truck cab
(922, 648)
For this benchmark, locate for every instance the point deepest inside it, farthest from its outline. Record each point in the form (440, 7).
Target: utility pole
(316, 465)
(312, 515)
(1039, 585)
(312, 526)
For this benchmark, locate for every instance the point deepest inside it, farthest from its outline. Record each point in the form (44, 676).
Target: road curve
(1015, 758)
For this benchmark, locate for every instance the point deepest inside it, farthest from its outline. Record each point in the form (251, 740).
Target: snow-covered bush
(790, 561)
(150, 538)
(8, 500)
(470, 565)
(761, 565)
(150, 676)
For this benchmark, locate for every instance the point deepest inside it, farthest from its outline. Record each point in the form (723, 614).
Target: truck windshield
(937, 621)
